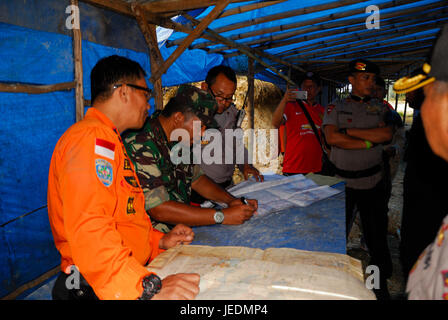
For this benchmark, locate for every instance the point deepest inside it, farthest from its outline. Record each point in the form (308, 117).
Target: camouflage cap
(202, 103)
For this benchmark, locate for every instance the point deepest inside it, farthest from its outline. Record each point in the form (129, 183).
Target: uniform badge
(441, 234)
(360, 66)
(445, 277)
(130, 206)
(330, 108)
(104, 171)
(127, 164)
(131, 180)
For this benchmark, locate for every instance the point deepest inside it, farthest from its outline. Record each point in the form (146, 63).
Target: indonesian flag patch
(330, 108)
(105, 148)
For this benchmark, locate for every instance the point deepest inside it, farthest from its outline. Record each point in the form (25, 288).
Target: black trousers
(424, 207)
(198, 199)
(61, 292)
(372, 207)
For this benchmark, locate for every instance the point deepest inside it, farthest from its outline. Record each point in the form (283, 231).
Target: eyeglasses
(231, 99)
(148, 92)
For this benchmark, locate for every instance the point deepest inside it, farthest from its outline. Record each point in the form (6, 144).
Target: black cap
(362, 65)
(310, 76)
(437, 69)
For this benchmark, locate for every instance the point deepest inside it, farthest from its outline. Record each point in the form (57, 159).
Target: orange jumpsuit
(96, 209)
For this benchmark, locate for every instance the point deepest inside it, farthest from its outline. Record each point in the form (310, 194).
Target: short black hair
(215, 71)
(174, 105)
(112, 70)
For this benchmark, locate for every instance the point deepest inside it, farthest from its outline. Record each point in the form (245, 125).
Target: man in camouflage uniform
(167, 186)
(356, 127)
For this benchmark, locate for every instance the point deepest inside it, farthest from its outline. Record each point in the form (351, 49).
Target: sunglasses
(148, 92)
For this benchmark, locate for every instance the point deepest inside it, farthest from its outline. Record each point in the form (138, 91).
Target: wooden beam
(246, 50)
(150, 35)
(278, 16)
(309, 22)
(286, 38)
(352, 48)
(118, 6)
(385, 33)
(77, 56)
(36, 89)
(32, 284)
(191, 37)
(249, 7)
(162, 6)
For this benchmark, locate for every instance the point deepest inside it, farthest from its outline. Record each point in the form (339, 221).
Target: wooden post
(251, 93)
(190, 38)
(156, 60)
(149, 32)
(77, 56)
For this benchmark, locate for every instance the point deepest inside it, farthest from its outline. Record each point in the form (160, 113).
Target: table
(318, 227)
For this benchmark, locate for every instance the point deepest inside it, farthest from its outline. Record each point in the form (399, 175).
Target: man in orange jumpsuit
(96, 205)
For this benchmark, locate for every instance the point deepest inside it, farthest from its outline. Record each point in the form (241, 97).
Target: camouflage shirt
(160, 179)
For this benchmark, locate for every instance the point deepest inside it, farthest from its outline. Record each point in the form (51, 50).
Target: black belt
(359, 173)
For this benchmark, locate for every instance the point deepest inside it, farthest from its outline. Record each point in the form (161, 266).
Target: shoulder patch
(330, 108)
(104, 171)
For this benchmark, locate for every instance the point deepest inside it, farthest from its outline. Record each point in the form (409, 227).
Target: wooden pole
(350, 25)
(149, 32)
(283, 15)
(252, 53)
(251, 93)
(36, 89)
(191, 37)
(77, 55)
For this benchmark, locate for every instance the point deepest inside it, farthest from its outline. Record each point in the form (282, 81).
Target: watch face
(219, 217)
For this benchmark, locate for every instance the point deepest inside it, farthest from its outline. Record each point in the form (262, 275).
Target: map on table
(240, 273)
(278, 192)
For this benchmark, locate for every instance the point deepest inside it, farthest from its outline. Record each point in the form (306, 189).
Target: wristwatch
(219, 217)
(151, 286)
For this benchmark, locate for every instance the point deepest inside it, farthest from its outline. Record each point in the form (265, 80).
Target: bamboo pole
(36, 89)
(349, 25)
(77, 57)
(149, 32)
(191, 37)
